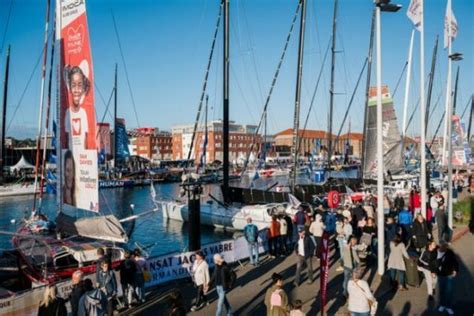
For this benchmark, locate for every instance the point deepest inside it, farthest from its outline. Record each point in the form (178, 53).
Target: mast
(422, 112)
(205, 133)
(331, 87)
(455, 97)
(470, 121)
(4, 116)
(40, 119)
(48, 111)
(430, 85)
(450, 153)
(299, 72)
(367, 88)
(447, 117)
(407, 85)
(225, 128)
(115, 118)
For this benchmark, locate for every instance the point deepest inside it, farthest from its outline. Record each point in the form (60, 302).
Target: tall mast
(299, 72)
(205, 133)
(450, 153)
(331, 87)
(423, 113)
(225, 128)
(40, 119)
(470, 121)
(430, 85)
(115, 118)
(367, 88)
(407, 86)
(455, 97)
(4, 115)
(449, 88)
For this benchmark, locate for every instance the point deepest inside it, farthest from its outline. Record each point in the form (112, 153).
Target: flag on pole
(450, 25)
(415, 13)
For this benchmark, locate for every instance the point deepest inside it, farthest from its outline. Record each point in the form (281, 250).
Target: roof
(306, 133)
(22, 164)
(354, 136)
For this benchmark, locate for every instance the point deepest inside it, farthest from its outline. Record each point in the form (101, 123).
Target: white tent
(22, 165)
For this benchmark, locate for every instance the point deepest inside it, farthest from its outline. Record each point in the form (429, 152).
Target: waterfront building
(151, 143)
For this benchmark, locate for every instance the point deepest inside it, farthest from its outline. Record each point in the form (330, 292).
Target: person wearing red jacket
(273, 237)
(416, 202)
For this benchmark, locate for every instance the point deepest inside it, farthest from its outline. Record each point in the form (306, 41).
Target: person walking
(76, 292)
(304, 250)
(405, 220)
(273, 236)
(140, 275)
(421, 233)
(93, 302)
(223, 278)
(427, 265)
(361, 301)
(399, 202)
(200, 275)
(396, 264)
(251, 236)
(447, 269)
(276, 299)
(351, 261)
(442, 221)
(52, 305)
(283, 235)
(127, 270)
(108, 285)
(316, 230)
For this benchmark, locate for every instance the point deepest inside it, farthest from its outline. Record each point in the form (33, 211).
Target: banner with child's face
(78, 136)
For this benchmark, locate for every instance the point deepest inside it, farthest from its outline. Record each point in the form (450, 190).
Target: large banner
(460, 145)
(78, 137)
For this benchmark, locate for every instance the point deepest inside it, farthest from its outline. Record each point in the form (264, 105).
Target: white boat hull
(17, 189)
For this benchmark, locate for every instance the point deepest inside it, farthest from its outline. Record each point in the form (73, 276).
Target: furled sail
(122, 151)
(392, 141)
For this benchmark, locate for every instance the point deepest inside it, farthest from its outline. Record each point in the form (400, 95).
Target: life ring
(333, 199)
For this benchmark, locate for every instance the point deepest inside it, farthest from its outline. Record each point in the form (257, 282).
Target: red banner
(324, 273)
(78, 136)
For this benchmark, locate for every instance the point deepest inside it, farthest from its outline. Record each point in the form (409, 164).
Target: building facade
(283, 141)
(241, 138)
(151, 143)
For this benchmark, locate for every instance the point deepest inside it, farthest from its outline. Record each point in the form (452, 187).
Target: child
(296, 310)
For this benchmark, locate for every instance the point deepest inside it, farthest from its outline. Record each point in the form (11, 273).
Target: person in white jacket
(200, 275)
(360, 296)
(316, 230)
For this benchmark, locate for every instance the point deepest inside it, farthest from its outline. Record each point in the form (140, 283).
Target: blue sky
(166, 46)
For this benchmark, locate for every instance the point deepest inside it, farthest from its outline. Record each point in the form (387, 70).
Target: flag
(450, 25)
(415, 13)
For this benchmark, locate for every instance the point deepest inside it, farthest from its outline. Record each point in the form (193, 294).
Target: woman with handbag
(361, 300)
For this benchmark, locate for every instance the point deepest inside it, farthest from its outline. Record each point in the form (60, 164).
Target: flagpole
(407, 84)
(448, 84)
(423, 112)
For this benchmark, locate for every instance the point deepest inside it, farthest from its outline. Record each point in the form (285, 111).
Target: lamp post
(385, 6)
(192, 188)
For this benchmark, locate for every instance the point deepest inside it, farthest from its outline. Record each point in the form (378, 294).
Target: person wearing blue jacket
(405, 220)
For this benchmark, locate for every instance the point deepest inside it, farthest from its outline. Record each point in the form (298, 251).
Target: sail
(106, 227)
(122, 151)
(79, 183)
(392, 141)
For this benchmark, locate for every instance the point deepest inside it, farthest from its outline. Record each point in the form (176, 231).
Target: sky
(166, 45)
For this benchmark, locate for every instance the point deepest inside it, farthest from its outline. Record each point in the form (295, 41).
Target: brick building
(241, 138)
(151, 143)
(283, 141)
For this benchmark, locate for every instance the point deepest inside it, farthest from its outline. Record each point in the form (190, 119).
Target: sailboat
(50, 252)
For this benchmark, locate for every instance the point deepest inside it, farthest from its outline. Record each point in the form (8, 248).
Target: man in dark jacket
(442, 221)
(304, 250)
(108, 285)
(127, 270)
(447, 269)
(223, 278)
(420, 232)
(76, 292)
(399, 202)
(427, 263)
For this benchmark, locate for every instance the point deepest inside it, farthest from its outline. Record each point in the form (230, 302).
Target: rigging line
(314, 92)
(414, 111)
(6, 26)
(399, 79)
(106, 109)
(435, 105)
(206, 76)
(27, 85)
(242, 93)
(275, 77)
(465, 108)
(103, 101)
(126, 71)
(350, 102)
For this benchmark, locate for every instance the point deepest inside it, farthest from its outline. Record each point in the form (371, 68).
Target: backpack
(251, 233)
(330, 222)
(275, 298)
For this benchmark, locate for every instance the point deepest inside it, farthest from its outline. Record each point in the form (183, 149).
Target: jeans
(299, 265)
(360, 314)
(401, 275)
(341, 242)
(445, 284)
(222, 300)
(430, 280)
(253, 252)
(347, 277)
(283, 244)
(273, 245)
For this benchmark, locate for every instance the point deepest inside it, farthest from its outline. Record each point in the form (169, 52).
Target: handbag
(373, 304)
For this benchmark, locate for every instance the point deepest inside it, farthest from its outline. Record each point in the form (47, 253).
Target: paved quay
(247, 296)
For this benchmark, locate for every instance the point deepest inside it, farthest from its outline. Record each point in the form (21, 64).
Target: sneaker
(450, 311)
(194, 308)
(340, 269)
(441, 309)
